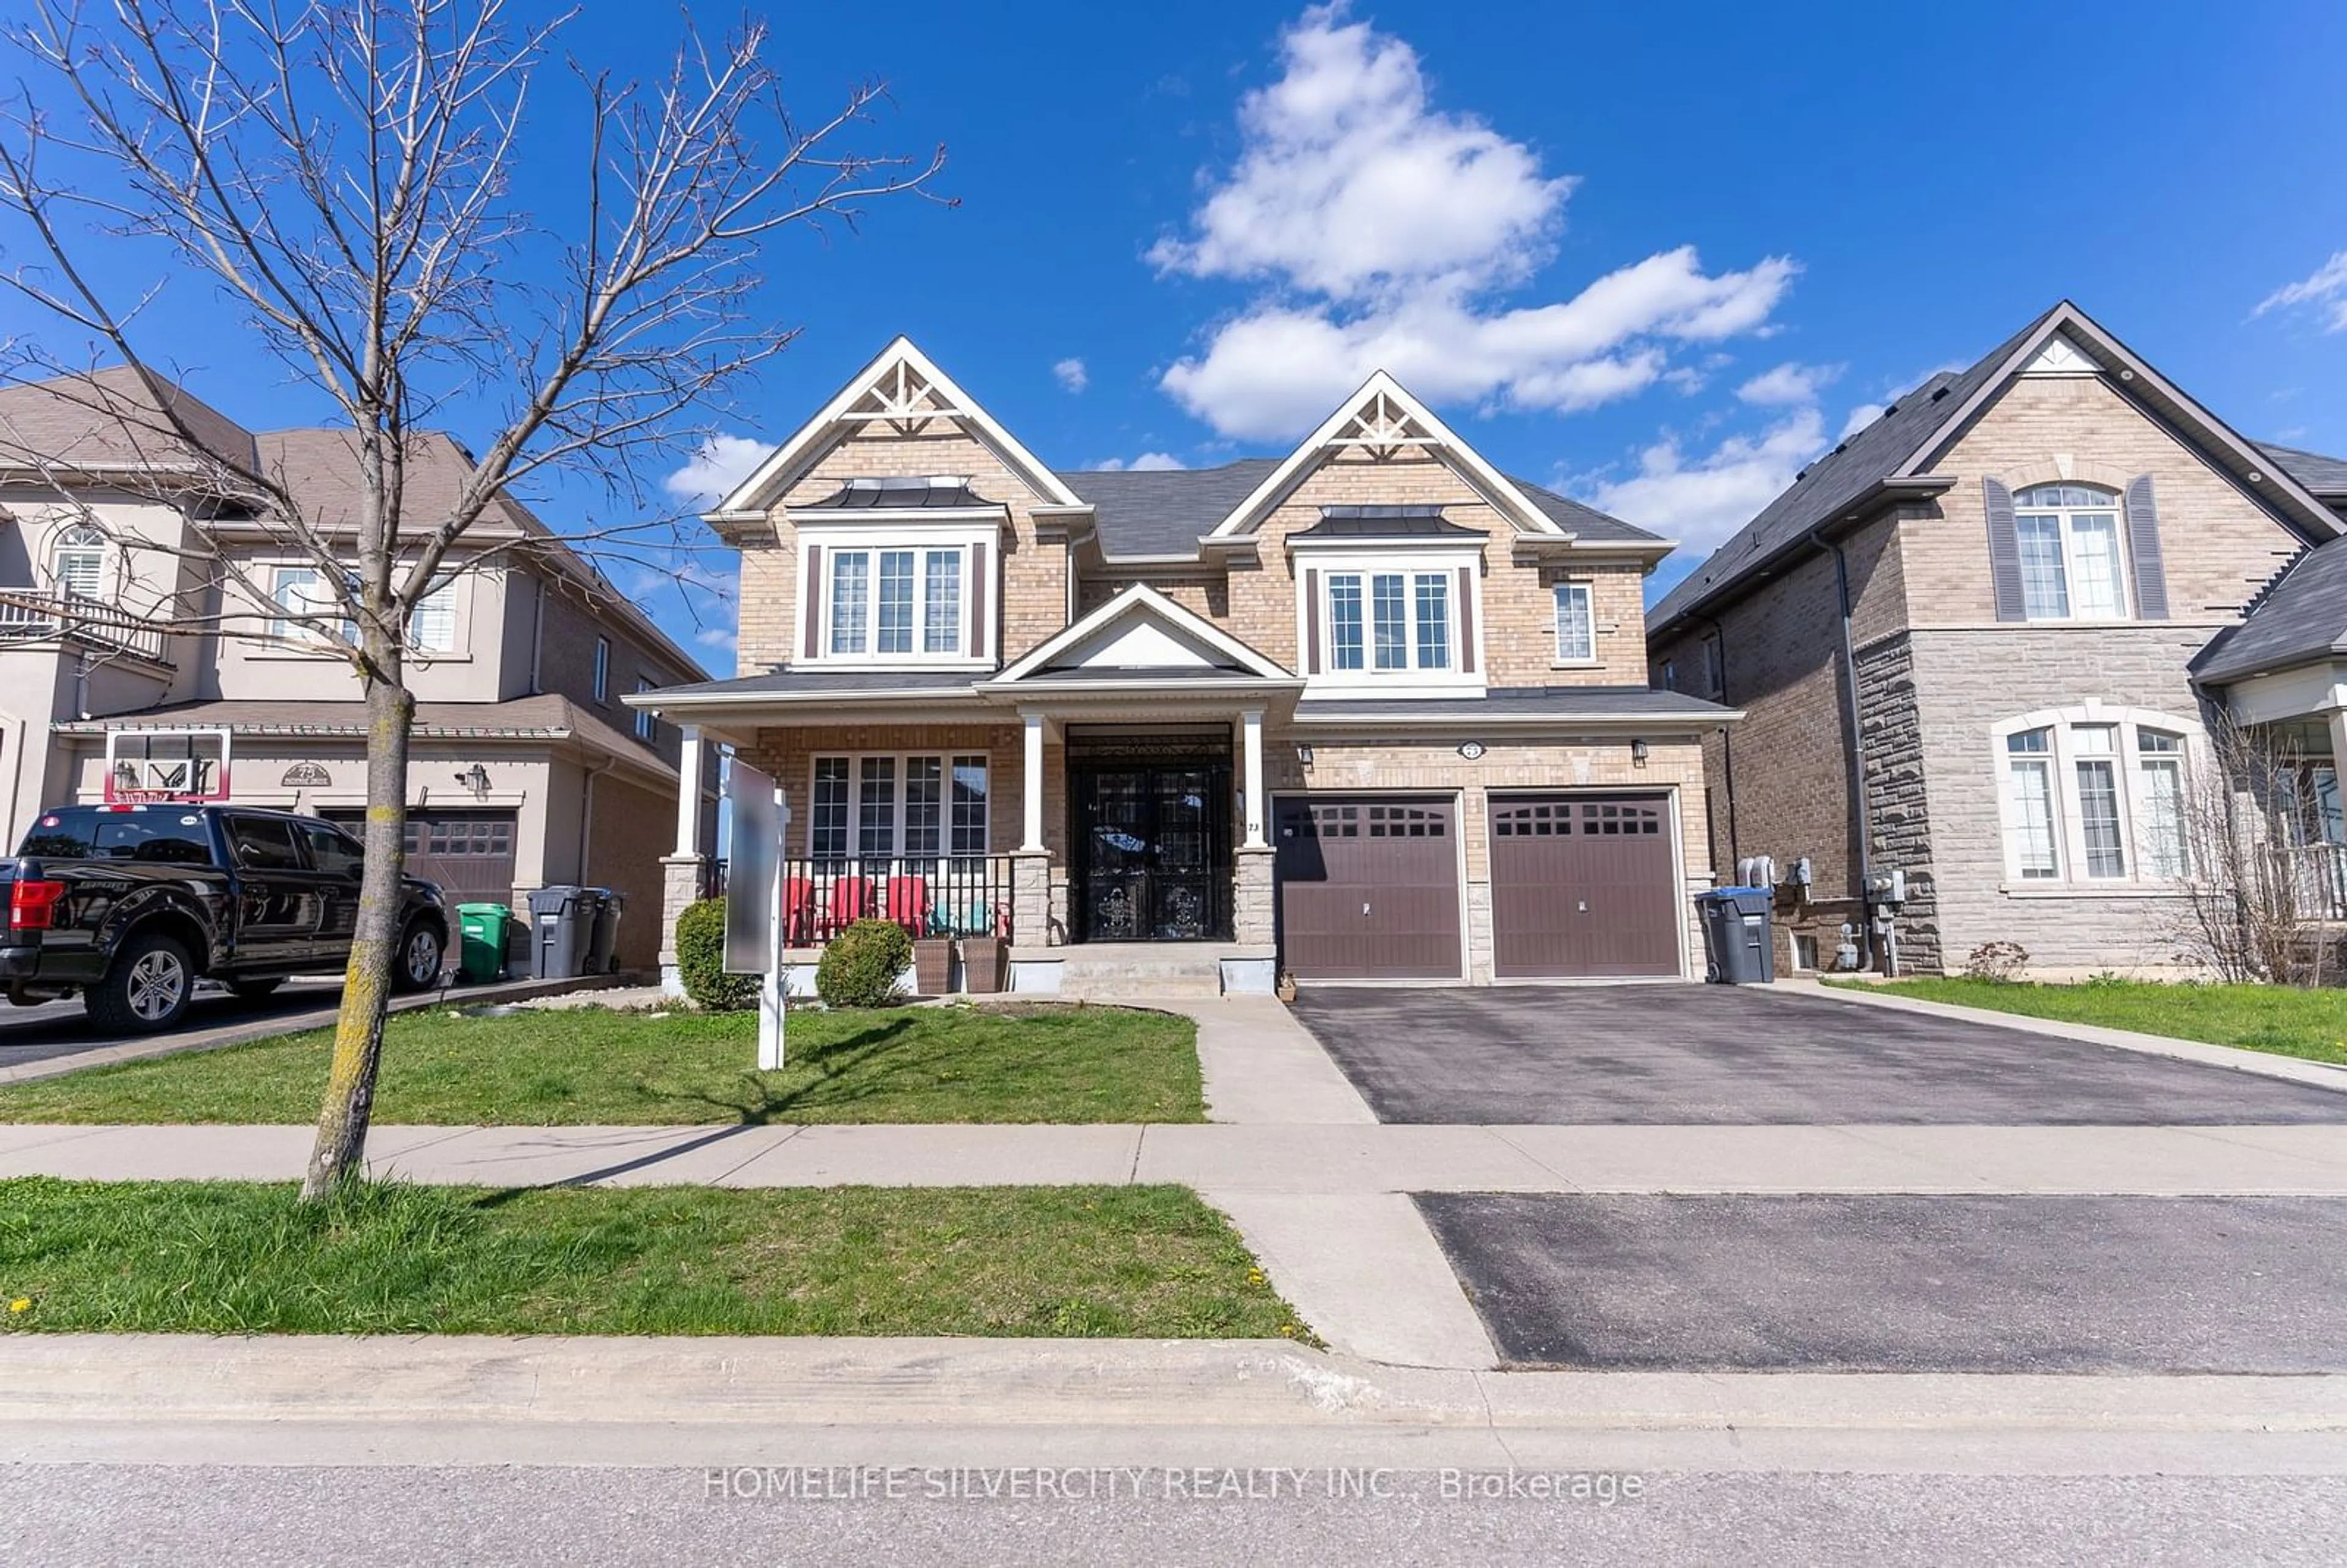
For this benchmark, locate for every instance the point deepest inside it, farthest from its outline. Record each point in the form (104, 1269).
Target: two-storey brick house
(1372, 711)
(1977, 644)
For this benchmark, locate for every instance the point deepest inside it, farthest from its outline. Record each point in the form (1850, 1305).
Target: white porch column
(2338, 717)
(687, 792)
(1032, 780)
(1251, 749)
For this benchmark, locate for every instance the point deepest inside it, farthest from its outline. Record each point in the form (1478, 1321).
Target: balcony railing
(956, 896)
(26, 617)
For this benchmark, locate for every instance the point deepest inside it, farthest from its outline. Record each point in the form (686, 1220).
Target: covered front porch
(2288, 733)
(1096, 812)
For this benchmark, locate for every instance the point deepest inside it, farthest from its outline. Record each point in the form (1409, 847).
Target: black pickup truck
(130, 905)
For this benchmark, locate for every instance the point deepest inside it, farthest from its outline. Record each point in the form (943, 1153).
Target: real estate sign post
(754, 897)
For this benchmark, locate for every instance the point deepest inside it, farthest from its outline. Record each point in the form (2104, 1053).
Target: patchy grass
(549, 1066)
(2277, 1018)
(239, 1258)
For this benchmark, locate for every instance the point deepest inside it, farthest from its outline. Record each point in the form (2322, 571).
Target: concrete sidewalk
(1294, 1161)
(461, 1400)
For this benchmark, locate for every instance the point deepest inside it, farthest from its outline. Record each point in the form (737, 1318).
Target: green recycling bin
(484, 929)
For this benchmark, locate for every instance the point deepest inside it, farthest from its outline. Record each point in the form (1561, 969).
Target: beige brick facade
(1937, 673)
(1250, 594)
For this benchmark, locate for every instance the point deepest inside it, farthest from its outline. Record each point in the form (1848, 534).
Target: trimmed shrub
(701, 959)
(861, 967)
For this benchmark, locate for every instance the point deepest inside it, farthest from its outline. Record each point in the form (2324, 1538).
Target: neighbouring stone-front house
(1370, 711)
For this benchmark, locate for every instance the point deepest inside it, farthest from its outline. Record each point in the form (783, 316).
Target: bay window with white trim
(2093, 798)
(1386, 623)
(890, 602)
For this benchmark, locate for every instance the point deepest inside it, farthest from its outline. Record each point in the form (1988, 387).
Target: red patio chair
(908, 904)
(851, 900)
(798, 911)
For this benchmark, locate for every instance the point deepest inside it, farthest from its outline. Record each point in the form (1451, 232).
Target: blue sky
(1657, 257)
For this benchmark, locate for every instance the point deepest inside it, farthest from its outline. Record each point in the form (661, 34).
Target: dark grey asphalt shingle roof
(1828, 487)
(2302, 617)
(1166, 511)
(1554, 701)
(2325, 478)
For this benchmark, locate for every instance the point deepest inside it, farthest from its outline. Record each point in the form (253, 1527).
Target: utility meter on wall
(1887, 887)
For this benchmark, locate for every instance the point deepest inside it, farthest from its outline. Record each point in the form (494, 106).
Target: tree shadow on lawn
(763, 1104)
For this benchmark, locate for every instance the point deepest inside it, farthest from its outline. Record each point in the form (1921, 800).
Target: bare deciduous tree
(2260, 879)
(349, 176)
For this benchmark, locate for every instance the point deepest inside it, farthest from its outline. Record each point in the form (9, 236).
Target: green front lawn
(240, 1257)
(2278, 1018)
(546, 1066)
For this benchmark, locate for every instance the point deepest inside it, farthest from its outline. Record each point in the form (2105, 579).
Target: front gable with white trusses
(1382, 430)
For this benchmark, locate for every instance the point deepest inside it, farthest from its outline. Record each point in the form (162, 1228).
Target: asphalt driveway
(2018, 1284)
(1687, 1055)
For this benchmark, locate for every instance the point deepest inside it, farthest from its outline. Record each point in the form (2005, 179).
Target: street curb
(883, 1383)
(2262, 1064)
(294, 1023)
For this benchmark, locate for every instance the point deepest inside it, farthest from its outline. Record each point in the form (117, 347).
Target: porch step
(1133, 971)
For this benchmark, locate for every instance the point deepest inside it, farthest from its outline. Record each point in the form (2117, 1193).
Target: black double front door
(1152, 850)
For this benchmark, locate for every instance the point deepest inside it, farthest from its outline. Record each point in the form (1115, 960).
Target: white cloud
(1380, 226)
(1789, 384)
(1864, 415)
(1703, 500)
(1146, 462)
(722, 463)
(714, 637)
(2325, 287)
(1071, 374)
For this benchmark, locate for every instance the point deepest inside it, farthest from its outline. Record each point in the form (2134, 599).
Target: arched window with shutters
(2073, 552)
(78, 562)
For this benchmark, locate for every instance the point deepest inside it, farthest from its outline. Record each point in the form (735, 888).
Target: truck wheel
(417, 965)
(256, 991)
(145, 988)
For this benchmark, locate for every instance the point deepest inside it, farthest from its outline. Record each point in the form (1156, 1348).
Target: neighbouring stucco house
(1369, 710)
(525, 768)
(1978, 645)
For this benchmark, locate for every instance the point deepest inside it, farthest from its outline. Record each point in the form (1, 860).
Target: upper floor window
(895, 603)
(2071, 564)
(79, 562)
(1390, 620)
(647, 726)
(602, 669)
(307, 606)
(432, 629)
(2093, 800)
(1577, 624)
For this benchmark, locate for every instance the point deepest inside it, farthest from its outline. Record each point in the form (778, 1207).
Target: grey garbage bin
(1738, 947)
(561, 930)
(603, 949)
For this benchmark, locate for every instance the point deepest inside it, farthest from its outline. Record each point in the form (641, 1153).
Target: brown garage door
(469, 853)
(1582, 886)
(1369, 888)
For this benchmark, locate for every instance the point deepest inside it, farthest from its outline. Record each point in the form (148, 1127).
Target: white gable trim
(891, 379)
(1384, 412)
(1135, 602)
(2273, 488)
